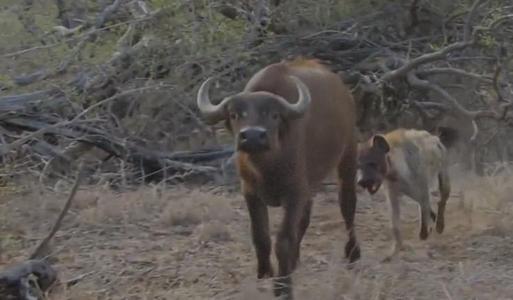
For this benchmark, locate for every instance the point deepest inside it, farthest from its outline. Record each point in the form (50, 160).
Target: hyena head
(372, 163)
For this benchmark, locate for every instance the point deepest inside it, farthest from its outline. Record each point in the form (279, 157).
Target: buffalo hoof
(265, 271)
(352, 251)
(283, 288)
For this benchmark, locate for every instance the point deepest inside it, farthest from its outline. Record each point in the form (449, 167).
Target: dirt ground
(183, 243)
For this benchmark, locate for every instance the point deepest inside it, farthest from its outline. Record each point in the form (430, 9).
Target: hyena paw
(424, 233)
(440, 226)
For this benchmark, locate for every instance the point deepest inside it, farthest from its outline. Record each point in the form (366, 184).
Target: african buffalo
(293, 124)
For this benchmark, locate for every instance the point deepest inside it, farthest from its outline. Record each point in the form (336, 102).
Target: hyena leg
(395, 219)
(425, 214)
(445, 190)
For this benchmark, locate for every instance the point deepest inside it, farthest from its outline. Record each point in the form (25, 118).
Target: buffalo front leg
(303, 226)
(287, 245)
(259, 218)
(347, 202)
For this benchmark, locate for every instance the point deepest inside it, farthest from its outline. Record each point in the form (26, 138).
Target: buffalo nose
(253, 134)
(253, 139)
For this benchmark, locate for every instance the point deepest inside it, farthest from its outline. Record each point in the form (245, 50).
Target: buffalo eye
(275, 116)
(233, 116)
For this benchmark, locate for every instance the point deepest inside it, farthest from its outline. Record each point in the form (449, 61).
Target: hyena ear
(380, 143)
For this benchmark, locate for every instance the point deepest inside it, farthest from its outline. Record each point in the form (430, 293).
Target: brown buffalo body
(292, 155)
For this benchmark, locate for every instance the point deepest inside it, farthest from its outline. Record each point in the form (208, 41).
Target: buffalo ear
(379, 142)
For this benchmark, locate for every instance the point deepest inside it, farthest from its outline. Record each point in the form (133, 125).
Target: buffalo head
(255, 118)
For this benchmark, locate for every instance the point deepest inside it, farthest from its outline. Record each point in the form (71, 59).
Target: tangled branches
(415, 69)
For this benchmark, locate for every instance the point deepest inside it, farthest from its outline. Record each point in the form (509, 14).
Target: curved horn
(296, 110)
(211, 112)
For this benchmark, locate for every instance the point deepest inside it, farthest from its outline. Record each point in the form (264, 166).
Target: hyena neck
(391, 173)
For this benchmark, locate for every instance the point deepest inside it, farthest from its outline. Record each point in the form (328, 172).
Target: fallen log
(27, 281)
(30, 280)
(27, 79)
(204, 155)
(23, 102)
(154, 169)
(149, 165)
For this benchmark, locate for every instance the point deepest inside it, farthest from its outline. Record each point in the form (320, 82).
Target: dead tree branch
(424, 84)
(431, 105)
(16, 144)
(104, 16)
(475, 131)
(468, 39)
(424, 59)
(467, 29)
(80, 36)
(496, 84)
(454, 71)
(42, 247)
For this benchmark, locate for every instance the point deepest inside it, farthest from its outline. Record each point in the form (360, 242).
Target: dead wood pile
(389, 57)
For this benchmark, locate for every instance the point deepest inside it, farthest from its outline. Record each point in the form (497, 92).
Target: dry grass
(177, 243)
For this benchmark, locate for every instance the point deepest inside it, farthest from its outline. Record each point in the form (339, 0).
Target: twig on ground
(446, 292)
(44, 243)
(76, 279)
